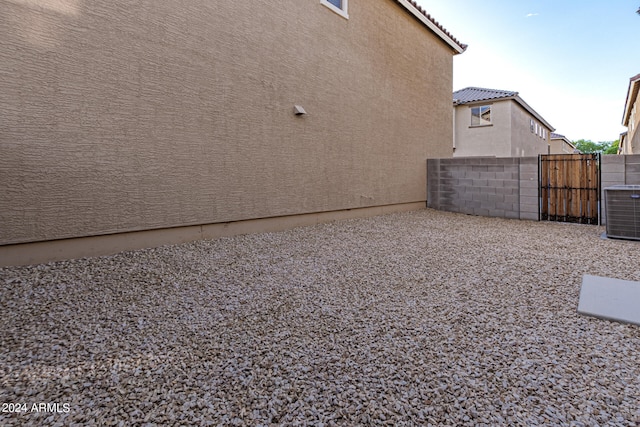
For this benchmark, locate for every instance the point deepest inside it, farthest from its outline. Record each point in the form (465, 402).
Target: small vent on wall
(623, 211)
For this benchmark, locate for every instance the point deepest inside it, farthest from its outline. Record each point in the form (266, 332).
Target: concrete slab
(611, 299)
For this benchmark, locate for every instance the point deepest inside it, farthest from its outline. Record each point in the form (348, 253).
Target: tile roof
(474, 94)
(478, 94)
(417, 10)
(557, 136)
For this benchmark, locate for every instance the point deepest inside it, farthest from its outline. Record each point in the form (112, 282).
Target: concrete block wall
(617, 170)
(612, 172)
(529, 188)
(508, 187)
(632, 170)
(485, 186)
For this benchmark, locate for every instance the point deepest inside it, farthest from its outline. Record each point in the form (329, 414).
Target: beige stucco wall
(560, 146)
(121, 116)
(524, 142)
(492, 140)
(509, 134)
(633, 137)
(625, 147)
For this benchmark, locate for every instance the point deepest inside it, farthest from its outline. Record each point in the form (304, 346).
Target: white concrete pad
(612, 299)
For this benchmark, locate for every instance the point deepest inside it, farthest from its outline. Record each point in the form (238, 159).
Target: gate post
(539, 187)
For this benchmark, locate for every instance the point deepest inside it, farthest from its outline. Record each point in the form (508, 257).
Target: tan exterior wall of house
(509, 134)
(56, 250)
(492, 140)
(633, 137)
(524, 142)
(625, 146)
(560, 146)
(121, 116)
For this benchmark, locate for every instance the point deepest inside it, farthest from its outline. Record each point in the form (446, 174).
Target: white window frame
(480, 108)
(344, 11)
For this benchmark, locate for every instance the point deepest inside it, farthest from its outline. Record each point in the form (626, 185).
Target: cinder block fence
(617, 170)
(507, 187)
(486, 186)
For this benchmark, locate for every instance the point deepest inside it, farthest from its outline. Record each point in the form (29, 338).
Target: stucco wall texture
(509, 134)
(525, 142)
(559, 146)
(634, 136)
(121, 116)
(493, 140)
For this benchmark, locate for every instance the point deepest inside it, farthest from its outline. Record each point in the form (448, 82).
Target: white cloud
(529, 15)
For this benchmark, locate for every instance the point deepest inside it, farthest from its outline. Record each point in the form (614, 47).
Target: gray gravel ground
(420, 318)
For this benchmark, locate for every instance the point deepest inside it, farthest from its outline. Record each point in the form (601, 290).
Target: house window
(481, 116)
(532, 125)
(338, 6)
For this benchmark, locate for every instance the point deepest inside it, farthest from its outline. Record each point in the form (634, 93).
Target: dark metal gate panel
(570, 187)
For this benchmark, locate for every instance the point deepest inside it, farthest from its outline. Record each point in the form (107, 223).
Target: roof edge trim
(632, 92)
(505, 95)
(555, 136)
(533, 112)
(438, 30)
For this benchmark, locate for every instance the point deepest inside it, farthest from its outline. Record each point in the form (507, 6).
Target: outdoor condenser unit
(623, 211)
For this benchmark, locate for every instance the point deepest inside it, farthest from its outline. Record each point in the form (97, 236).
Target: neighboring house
(134, 124)
(622, 145)
(560, 144)
(630, 142)
(498, 123)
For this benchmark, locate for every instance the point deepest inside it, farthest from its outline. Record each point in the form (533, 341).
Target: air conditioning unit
(622, 204)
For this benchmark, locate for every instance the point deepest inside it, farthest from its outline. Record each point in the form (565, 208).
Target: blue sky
(570, 60)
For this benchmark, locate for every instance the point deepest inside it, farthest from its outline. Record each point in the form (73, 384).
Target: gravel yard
(406, 319)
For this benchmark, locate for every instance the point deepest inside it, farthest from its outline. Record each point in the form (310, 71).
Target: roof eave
(533, 112)
(632, 93)
(485, 100)
(447, 38)
(563, 139)
(515, 98)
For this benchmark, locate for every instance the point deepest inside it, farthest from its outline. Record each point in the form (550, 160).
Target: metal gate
(570, 187)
